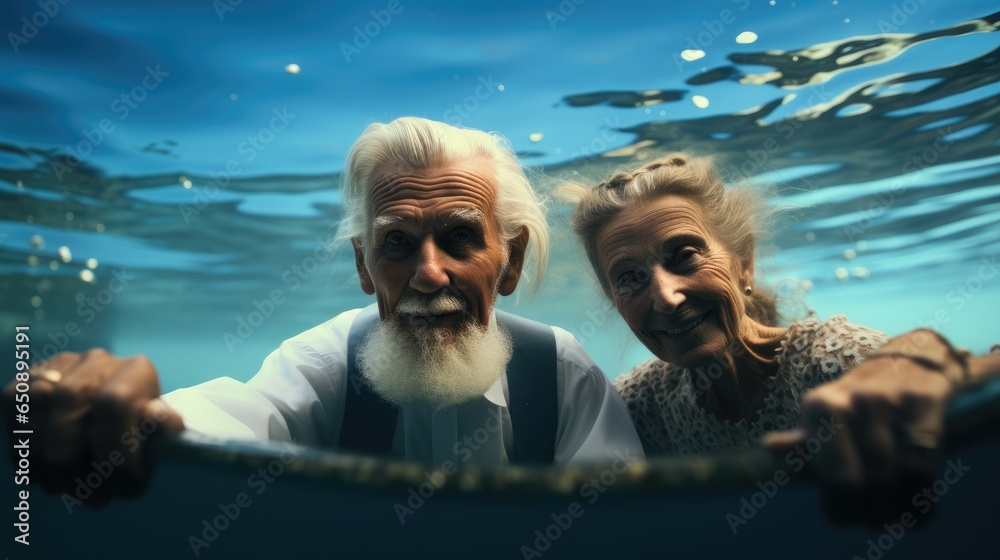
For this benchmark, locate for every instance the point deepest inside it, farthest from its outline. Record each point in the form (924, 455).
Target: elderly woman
(673, 249)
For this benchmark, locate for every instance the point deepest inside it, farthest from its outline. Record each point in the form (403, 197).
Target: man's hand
(889, 413)
(93, 409)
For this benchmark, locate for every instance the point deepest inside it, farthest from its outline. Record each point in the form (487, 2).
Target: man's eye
(461, 236)
(627, 285)
(628, 281)
(397, 239)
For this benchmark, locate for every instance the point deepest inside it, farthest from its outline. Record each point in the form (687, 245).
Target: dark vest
(370, 422)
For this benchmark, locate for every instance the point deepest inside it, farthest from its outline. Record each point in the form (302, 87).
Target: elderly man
(441, 220)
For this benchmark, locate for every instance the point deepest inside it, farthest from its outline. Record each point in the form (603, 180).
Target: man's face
(434, 232)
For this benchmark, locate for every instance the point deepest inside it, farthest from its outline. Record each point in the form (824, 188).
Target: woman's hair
(416, 143)
(737, 214)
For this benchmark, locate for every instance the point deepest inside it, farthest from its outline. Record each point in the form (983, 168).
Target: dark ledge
(973, 416)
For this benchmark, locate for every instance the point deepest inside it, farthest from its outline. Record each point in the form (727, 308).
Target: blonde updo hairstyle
(737, 214)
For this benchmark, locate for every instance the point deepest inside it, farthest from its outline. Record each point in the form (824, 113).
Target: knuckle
(96, 353)
(825, 399)
(143, 363)
(812, 400)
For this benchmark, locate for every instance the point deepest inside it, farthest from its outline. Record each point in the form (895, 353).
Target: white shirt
(299, 393)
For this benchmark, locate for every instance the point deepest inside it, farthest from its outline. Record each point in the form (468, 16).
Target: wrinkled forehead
(641, 229)
(466, 184)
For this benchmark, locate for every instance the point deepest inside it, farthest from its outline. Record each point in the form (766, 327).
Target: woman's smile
(673, 281)
(683, 328)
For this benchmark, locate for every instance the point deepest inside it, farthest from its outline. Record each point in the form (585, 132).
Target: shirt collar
(495, 393)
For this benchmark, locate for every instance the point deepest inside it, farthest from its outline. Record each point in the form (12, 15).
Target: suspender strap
(369, 422)
(531, 382)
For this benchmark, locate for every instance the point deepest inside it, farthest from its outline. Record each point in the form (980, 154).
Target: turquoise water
(173, 144)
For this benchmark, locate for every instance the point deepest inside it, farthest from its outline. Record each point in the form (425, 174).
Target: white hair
(405, 363)
(416, 143)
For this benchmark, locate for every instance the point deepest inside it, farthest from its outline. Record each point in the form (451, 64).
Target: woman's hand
(885, 421)
(92, 416)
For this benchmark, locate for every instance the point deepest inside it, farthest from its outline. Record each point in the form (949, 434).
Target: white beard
(422, 363)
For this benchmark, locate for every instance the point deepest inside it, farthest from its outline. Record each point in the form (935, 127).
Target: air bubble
(691, 55)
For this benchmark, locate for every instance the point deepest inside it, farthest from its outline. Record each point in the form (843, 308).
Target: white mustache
(433, 305)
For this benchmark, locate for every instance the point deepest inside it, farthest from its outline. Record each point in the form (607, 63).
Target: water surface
(171, 143)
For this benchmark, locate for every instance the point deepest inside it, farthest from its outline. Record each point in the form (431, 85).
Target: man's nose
(429, 276)
(666, 290)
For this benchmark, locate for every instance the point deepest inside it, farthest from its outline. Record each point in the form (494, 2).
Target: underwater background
(169, 170)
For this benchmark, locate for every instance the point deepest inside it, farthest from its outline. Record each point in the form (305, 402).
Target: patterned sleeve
(840, 346)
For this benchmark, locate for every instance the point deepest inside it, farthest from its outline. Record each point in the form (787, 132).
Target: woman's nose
(667, 290)
(429, 276)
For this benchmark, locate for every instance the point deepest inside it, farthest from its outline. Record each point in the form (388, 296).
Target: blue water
(171, 142)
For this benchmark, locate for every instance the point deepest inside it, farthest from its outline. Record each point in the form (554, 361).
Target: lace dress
(661, 397)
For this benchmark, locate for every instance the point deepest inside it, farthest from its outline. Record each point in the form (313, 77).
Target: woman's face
(675, 284)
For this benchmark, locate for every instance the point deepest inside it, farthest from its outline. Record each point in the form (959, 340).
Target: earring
(748, 291)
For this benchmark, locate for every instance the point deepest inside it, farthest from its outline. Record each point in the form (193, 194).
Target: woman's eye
(683, 256)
